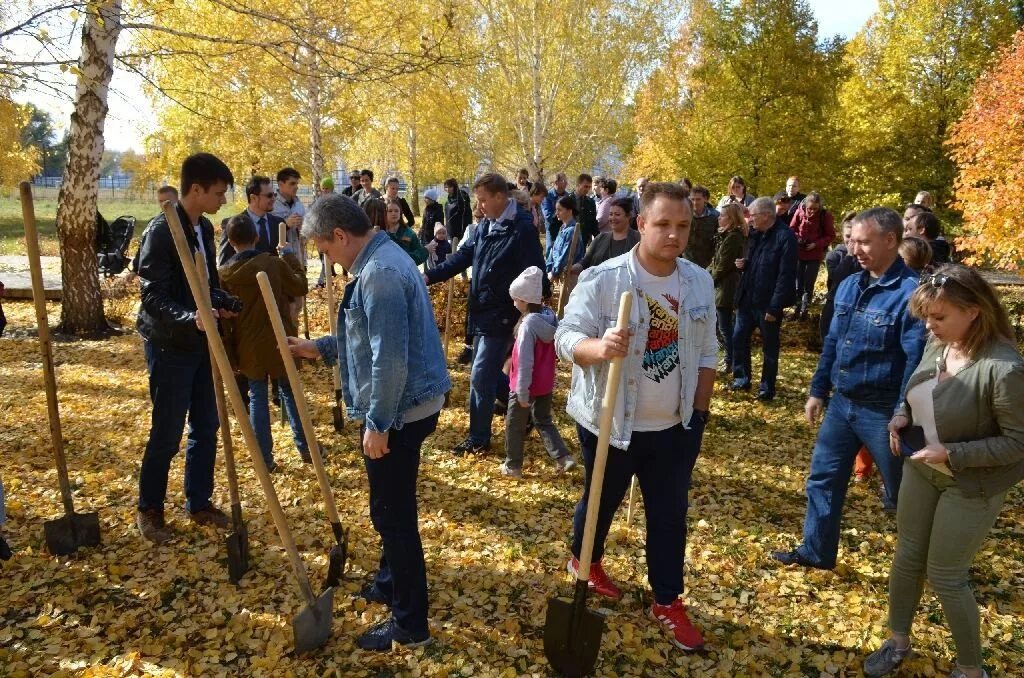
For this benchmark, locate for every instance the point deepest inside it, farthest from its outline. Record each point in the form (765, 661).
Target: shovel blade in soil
(336, 561)
(238, 553)
(572, 637)
(64, 535)
(312, 626)
(339, 419)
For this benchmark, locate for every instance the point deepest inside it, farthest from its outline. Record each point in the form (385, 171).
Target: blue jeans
(846, 427)
(747, 320)
(402, 574)
(259, 415)
(726, 323)
(488, 358)
(662, 462)
(180, 387)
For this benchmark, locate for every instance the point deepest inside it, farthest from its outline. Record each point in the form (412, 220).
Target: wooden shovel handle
(332, 318)
(448, 304)
(45, 345)
(298, 395)
(282, 234)
(568, 269)
(611, 394)
(218, 391)
(235, 398)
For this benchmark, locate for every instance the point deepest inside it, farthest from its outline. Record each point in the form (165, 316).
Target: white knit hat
(430, 194)
(528, 286)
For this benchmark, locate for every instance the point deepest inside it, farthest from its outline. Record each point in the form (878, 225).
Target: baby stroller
(112, 242)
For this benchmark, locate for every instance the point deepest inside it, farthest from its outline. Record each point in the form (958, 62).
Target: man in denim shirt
(872, 347)
(393, 379)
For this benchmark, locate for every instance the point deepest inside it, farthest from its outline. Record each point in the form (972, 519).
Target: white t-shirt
(202, 247)
(660, 380)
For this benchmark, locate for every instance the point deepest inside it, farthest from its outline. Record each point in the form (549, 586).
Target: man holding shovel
(180, 379)
(394, 379)
(669, 357)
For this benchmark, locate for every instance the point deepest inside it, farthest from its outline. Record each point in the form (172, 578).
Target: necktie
(263, 230)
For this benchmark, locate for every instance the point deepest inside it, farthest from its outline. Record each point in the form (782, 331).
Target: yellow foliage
(495, 548)
(17, 162)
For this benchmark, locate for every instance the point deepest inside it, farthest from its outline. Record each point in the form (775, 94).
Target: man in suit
(260, 196)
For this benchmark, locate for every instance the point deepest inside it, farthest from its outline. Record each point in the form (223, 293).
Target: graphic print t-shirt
(660, 381)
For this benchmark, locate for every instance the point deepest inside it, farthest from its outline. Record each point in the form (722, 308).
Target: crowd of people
(919, 373)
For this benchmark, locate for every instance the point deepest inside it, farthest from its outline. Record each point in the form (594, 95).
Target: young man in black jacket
(180, 379)
(458, 213)
(504, 245)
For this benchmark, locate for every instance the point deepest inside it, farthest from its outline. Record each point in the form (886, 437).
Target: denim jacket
(593, 308)
(558, 255)
(388, 345)
(873, 344)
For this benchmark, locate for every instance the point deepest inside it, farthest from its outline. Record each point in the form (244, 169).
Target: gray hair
(884, 219)
(813, 198)
(762, 204)
(333, 211)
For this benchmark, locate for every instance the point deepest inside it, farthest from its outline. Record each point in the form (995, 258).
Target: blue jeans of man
(846, 427)
(662, 462)
(747, 320)
(180, 387)
(488, 358)
(726, 327)
(259, 415)
(402, 575)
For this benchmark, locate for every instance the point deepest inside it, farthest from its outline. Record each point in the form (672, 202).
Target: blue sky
(130, 117)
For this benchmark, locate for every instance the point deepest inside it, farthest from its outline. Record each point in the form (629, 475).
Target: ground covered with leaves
(495, 548)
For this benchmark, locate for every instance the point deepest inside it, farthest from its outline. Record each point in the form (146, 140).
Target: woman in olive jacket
(961, 427)
(729, 244)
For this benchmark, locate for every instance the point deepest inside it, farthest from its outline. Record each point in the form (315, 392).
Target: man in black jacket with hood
(180, 378)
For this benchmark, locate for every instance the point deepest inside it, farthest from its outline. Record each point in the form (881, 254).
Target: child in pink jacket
(532, 378)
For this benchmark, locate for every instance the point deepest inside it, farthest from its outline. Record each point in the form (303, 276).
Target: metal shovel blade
(337, 557)
(238, 551)
(312, 626)
(339, 417)
(64, 535)
(572, 636)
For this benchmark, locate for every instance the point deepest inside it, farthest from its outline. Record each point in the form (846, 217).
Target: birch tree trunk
(315, 120)
(82, 306)
(414, 180)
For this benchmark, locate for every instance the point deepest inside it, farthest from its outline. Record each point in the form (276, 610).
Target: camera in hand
(222, 301)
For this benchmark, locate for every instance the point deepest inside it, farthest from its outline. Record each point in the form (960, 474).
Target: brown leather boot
(211, 515)
(151, 525)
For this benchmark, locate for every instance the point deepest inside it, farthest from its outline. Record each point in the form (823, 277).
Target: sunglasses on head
(936, 280)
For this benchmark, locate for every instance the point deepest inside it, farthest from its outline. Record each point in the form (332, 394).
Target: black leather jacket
(167, 316)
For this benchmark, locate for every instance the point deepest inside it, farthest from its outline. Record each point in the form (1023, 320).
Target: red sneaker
(681, 632)
(599, 582)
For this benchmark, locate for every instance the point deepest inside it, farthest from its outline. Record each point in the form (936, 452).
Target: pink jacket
(533, 356)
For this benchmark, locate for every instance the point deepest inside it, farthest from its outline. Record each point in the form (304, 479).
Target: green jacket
(979, 417)
(407, 239)
(728, 248)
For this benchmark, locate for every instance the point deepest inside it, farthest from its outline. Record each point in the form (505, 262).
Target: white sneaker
(565, 464)
(510, 471)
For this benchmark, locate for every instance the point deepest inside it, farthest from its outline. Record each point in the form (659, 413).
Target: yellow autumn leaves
(495, 549)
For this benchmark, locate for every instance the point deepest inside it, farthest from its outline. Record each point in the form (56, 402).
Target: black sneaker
(738, 385)
(794, 558)
(885, 659)
(467, 446)
(466, 357)
(381, 636)
(765, 396)
(371, 594)
(5, 550)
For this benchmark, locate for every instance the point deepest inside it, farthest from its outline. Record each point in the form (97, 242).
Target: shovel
(632, 504)
(572, 633)
(312, 626)
(563, 294)
(63, 535)
(237, 541)
(332, 317)
(448, 304)
(339, 552)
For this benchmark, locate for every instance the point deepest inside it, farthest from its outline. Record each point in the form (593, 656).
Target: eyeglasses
(936, 280)
(270, 195)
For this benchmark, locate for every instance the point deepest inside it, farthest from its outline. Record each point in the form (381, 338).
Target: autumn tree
(987, 145)
(912, 68)
(747, 88)
(556, 77)
(18, 161)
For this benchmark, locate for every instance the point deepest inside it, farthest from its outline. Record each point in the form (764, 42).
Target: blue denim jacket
(388, 344)
(558, 255)
(873, 344)
(594, 307)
